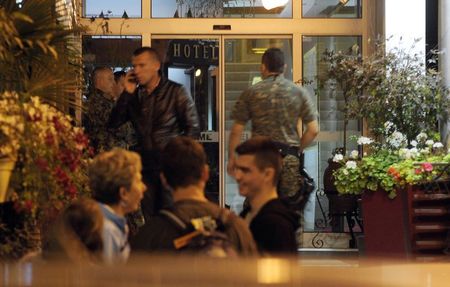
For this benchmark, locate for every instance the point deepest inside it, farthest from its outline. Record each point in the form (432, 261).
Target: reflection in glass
(221, 9)
(195, 64)
(109, 51)
(112, 8)
(242, 69)
(331, 8)
(330, 104)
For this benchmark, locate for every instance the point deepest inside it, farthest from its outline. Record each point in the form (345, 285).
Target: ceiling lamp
(270, 4)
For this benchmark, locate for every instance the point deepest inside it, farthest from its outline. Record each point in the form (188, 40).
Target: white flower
(421, 137)
(429, 142)
(364, 141)
(396, 139)
(351, 164)
(345, 172)
(338, 157)
(413, 143)
(425, 151)
(354, 154)
(414, 152)
(438, 145)
(388, 125)
(403, 152)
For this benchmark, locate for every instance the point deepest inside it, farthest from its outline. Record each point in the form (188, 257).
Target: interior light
(259, 50)
(198, 72)
(270, 4)
(343, 2)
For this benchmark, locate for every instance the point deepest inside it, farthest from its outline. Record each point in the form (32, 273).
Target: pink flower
(418, 171)
(427, 166)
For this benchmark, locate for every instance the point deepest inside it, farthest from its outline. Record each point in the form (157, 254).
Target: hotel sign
(198, 51)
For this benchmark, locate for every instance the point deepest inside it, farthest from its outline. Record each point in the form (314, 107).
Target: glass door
(194, 63)
(242, 60)
(198, 62)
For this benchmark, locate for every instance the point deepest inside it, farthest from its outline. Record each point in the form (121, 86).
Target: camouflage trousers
(290, 179)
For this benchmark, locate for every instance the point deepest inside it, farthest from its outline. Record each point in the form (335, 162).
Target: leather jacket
(167, 112)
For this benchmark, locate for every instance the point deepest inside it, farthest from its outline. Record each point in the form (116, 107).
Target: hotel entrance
(216, 70)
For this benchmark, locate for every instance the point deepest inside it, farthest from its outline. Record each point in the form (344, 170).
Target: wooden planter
(413, 225)
(385, 224)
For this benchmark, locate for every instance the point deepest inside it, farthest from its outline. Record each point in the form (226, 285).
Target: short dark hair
(153, 53)
(149, 50)
(99, 69)
(273, 59)
(182, 161)
(266, 154)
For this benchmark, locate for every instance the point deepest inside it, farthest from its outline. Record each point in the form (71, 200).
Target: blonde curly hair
(109, 171)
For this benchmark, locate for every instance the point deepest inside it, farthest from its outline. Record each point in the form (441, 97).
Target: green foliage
(392, 166)
(390, 86)
(38, 52)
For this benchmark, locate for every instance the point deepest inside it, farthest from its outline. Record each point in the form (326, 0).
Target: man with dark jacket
(185, 172)
(257, 169)
(159, 109)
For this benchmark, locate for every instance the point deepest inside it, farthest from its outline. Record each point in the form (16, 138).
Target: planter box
(385, 224)
(413, 225)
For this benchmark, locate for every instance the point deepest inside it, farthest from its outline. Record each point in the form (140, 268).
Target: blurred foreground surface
(197, 271)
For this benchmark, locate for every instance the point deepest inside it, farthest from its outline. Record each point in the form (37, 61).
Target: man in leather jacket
(159, 109)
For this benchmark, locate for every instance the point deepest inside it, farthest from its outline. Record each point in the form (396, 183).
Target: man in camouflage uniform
(99, 105)
(277, 108)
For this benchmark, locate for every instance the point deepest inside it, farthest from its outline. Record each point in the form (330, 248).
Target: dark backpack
(201, 236)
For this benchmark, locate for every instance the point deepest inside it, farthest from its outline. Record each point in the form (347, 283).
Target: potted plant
(39, 79)
(401, 103)
(344, 72)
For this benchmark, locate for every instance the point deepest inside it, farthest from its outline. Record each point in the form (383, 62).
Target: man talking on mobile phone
(159, 109)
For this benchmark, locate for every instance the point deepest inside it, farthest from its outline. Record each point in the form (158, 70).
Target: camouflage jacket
(273, 106)
(102, 138)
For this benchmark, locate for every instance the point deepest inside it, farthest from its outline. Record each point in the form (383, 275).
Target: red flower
(49, 139)
(58, 126)
(61, 176)
(42, 163)
(427, 166)
(28, 205)
(418, 171)
(392, 170)
(81, 139)
(71, 190)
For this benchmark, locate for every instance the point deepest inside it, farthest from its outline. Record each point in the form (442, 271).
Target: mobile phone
(132, 78)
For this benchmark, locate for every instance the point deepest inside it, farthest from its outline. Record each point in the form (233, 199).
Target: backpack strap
(174, 219)
(183, 240)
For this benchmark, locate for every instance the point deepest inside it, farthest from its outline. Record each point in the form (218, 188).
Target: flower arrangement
(391, 165)
(51, 155)
(398, 98)
(40, 61)
(51, 159)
